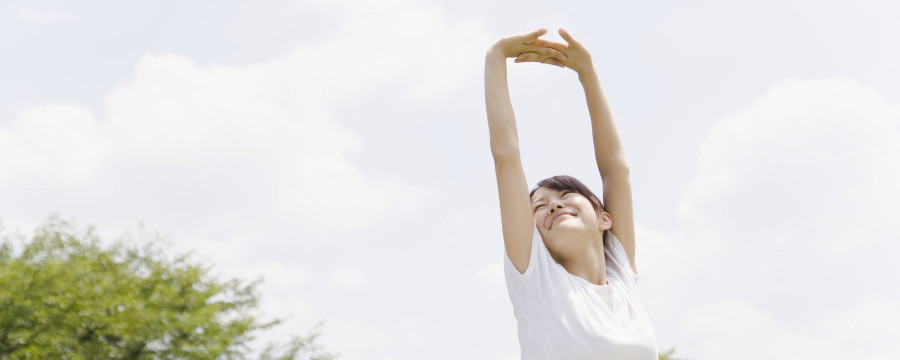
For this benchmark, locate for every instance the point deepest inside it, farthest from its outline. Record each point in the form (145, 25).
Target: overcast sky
(339, 149)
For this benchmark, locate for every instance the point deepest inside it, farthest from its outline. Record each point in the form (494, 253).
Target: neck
(590, 262)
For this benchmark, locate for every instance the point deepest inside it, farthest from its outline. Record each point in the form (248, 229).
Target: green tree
(64, 295)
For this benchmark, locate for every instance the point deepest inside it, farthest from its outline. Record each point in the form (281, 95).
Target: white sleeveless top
(563, 316)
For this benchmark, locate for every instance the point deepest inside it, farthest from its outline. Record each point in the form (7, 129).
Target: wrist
(495, 51)
(587, 73)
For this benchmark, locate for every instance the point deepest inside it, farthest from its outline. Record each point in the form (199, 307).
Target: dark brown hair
(565, 182)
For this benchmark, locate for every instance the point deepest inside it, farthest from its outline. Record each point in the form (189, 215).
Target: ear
(604, 221)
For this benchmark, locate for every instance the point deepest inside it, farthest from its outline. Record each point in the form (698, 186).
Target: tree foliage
(668, 355)
(67, 296)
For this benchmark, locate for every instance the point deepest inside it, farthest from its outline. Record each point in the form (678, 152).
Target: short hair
(565, 182)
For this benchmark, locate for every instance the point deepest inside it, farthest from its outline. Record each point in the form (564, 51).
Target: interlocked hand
(574, 55)
(529, 48)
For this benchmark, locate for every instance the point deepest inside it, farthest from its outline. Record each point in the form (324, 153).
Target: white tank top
(563, 316)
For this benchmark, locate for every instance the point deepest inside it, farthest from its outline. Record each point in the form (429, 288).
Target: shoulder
(541, 271)
(617, 257)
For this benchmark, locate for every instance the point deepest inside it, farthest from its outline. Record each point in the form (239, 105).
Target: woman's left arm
(607, 145)
(612, 165)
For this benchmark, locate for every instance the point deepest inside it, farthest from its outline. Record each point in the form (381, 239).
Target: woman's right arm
(515, 205)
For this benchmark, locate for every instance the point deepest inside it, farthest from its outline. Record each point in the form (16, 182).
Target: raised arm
(608, 150)
(515, 204)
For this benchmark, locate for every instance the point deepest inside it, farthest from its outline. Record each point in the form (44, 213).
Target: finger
(547, 51)
(568, 37)
(535, 34)
(527, 56)
(550, 61)
(553, 61)
(535, 57)
(551, 52)
(550, 44)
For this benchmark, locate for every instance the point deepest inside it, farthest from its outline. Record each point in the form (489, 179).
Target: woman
(569, 259)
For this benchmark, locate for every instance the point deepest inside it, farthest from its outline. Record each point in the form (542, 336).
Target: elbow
(504, 148)
(617, 168)
(505, 154)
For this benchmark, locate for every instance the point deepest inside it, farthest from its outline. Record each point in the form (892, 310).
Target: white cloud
(282, 277)
(791, 211)
(866, 331)
(662, 257)
(251, 166)
(739, 331)
(346, 278)
(810, 157)
(209, 143)
(355, 339)
(258, 138)
(254, 167)
(399, 38)
(264, 133)
(58, 140)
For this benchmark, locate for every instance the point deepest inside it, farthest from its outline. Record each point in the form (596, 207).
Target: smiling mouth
(559, 216)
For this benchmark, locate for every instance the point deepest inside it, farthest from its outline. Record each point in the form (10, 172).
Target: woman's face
(561, 214)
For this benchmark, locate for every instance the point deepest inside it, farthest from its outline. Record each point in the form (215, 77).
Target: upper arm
(515, 210)
(515, 204)
(618, 203)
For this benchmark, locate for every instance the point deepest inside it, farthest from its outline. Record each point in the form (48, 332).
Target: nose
(555, 206)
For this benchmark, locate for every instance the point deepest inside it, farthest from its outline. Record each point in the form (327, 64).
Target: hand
(576, 56)
(528, 48)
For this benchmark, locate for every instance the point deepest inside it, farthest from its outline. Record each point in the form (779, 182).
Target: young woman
(569, 260)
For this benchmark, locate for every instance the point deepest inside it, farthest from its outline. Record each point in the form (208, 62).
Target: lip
(561, 213)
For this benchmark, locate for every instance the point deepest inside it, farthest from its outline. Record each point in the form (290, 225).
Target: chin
(568, 228)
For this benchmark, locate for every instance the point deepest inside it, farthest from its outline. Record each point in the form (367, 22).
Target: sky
(339, 150)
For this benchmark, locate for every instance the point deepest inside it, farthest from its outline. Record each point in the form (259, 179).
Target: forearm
(607, 144)
(501, 120)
